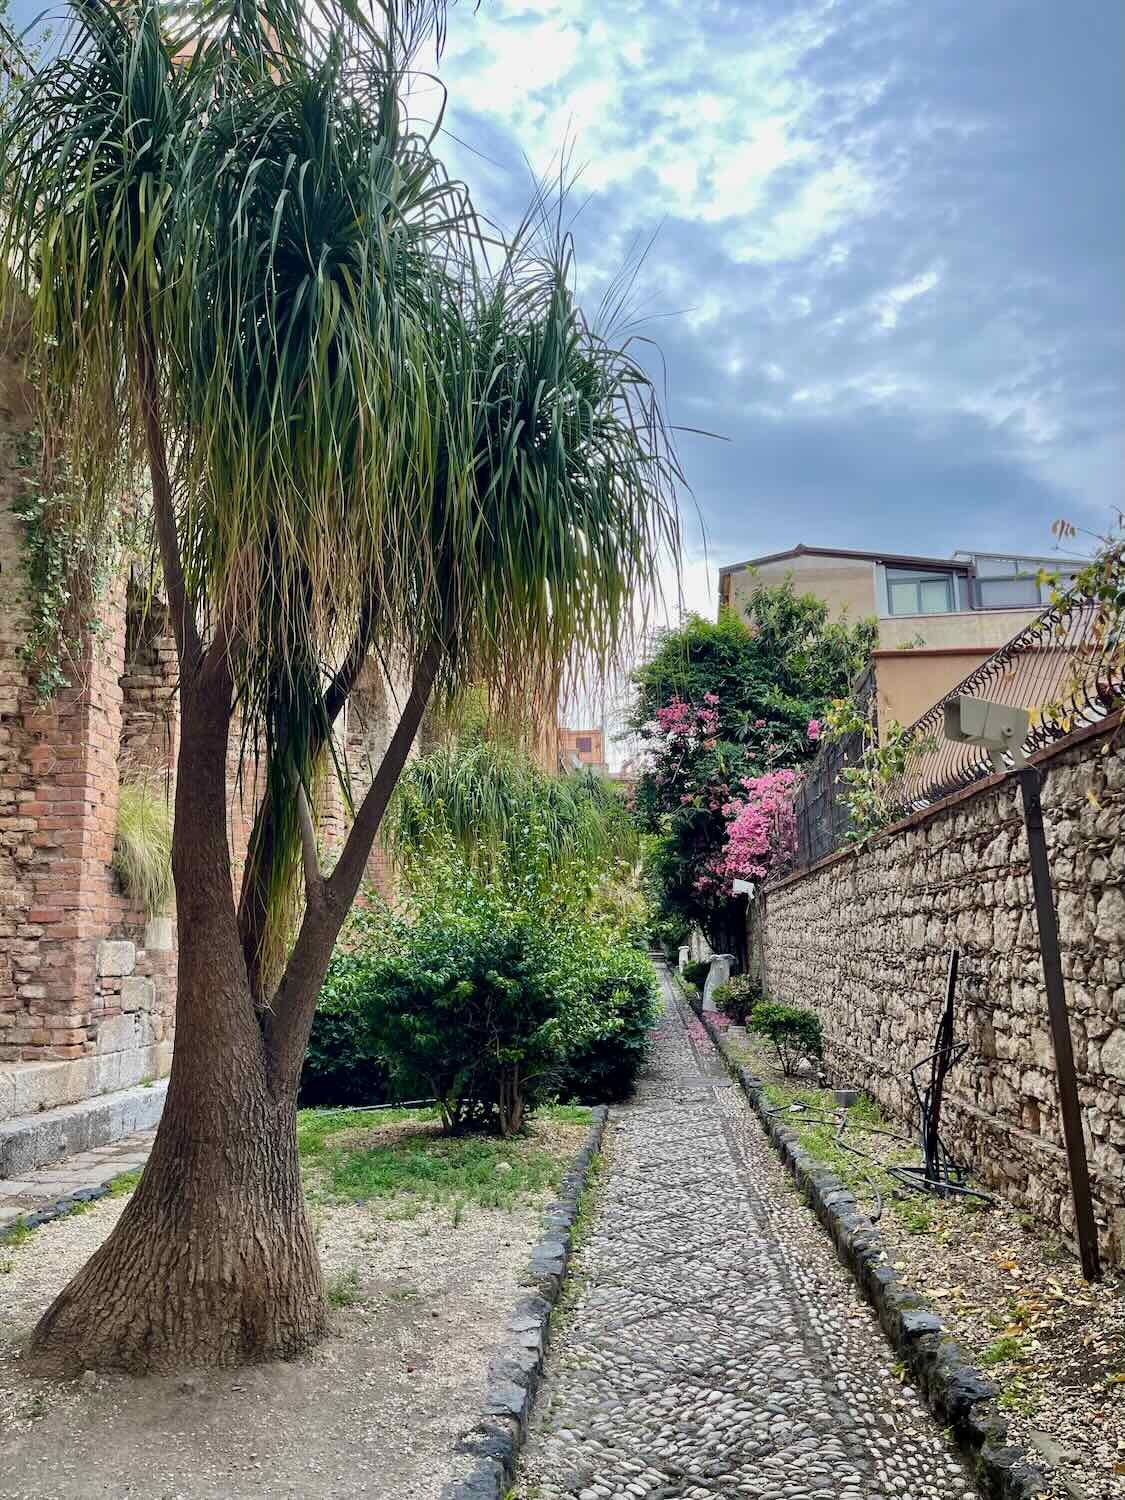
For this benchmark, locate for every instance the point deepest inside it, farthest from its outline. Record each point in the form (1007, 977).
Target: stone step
(29, 1142)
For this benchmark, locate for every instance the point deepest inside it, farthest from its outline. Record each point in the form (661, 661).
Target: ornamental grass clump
(142, 845)
(795, 1034)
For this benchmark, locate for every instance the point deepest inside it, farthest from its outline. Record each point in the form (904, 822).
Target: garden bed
(1006, 1287)
(423, 1239)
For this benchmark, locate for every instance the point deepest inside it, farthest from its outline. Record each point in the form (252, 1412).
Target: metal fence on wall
(1067, 667)
(823, 819)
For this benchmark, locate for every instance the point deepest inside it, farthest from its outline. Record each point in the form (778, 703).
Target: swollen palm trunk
(213, 1261)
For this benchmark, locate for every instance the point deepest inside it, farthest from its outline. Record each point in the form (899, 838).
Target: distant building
(581, 747)
(939, 617)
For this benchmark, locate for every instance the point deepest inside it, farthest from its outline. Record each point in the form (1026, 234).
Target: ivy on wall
(66, 574)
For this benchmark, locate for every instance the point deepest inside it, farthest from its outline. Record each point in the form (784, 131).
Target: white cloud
(692, 124)
(889, 305)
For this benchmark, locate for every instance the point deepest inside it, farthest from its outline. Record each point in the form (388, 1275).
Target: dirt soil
(373, 1412)
(1011, 1292)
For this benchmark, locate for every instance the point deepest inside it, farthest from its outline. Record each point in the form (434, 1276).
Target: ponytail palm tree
(253, 283)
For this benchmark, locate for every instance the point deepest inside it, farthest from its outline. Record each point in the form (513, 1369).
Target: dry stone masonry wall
(863, 940)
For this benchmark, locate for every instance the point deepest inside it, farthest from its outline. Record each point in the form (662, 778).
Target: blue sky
(888, 254)
(889, 239)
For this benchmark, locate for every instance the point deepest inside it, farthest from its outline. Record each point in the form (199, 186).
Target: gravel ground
(1014, 1296)
(374, 1411)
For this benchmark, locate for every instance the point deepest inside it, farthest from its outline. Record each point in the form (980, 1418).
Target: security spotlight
(997, 727)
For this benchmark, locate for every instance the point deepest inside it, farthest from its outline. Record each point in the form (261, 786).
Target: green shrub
(490, 991)
(795, 1033)
(696, 973)
(343, 1064)
(738, 997)
(466, 1014)
(620, 985)
(669, 932)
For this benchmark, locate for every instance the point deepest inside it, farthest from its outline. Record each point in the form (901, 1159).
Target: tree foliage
(482, 792)
(720, 704)
(264, 329)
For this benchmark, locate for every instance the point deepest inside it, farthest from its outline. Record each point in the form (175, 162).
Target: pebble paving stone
(717, 1347)
(20, 1197)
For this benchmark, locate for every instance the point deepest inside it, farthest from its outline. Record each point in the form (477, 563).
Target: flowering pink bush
(762, 833)
(814, 729)
(688, 726)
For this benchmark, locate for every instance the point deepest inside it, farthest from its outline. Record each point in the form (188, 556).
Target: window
(1010, 583)
(583, 744)
(920, 593)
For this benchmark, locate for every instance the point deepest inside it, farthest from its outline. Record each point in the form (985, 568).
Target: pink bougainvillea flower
(814, 729)
(759, 723)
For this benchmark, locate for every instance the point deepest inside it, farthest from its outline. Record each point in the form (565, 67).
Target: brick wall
(87, 981)
(59, 772)
(863, 939)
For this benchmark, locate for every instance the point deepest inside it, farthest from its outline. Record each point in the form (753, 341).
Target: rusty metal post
(1060, 1025)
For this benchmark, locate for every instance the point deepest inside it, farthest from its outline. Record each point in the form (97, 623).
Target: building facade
(938, 617)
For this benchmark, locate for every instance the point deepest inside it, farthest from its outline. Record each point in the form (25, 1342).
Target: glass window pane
(904, 598)
(1006, 593)
(936, 598)
(996, 567)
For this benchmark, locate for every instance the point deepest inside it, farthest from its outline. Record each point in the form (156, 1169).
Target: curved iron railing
(1067, 667)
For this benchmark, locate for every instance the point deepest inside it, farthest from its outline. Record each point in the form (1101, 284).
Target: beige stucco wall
(844, 584)
(910, 682)
(987, 628)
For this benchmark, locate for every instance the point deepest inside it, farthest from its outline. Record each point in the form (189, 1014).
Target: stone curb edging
(957, 1394)
(56, 1210)
(516, 1369)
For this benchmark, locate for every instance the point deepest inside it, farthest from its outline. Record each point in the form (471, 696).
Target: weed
(7, 1267)
(404, 1294)
(458, 1212)
(82, 1206)
(1016, 1397)
(915, 1216)
(121, 1186)
(1004, 1350)
(342, 1289)
(18, 1233)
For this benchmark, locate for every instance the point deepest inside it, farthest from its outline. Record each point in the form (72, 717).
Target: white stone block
(116, 959)
(138, 994)
(160, 935)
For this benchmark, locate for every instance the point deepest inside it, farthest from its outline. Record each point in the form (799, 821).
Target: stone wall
(864, 938)
(86, 982)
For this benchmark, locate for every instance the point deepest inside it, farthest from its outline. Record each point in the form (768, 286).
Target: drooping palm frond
(482, 794)
(231, 233)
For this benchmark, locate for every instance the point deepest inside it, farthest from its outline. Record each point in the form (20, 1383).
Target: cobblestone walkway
(717, 1348)
(86, 1169)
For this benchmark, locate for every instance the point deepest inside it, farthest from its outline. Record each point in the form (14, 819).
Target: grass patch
(316, 1127)
(18, 1234)
(123, 1185)
(424, 1169)
(1004, 1350)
